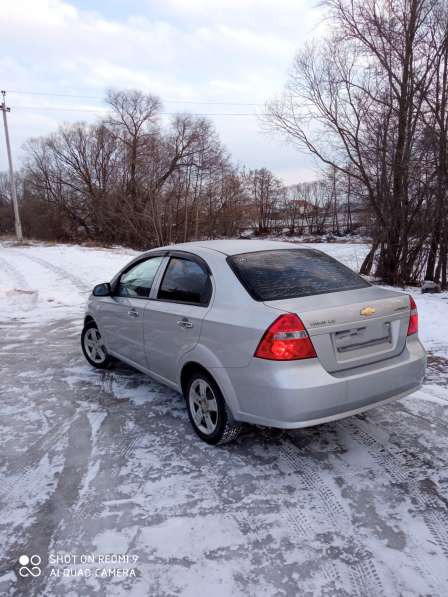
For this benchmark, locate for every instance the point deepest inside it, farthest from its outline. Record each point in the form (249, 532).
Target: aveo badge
(367, 311)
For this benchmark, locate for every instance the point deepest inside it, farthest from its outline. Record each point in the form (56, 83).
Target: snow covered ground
(95, 463)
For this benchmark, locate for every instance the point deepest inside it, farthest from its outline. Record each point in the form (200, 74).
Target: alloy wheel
(94, 345)
(203, 406)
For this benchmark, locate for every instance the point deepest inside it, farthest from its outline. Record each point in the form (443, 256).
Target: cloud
(225, 50)
(283, 17)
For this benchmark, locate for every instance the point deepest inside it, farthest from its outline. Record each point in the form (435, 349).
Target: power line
(58, 109)
(102, 111)
(197, 102)
(55, 94)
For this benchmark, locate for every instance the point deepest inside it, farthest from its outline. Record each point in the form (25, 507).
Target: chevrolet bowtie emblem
(367, 311)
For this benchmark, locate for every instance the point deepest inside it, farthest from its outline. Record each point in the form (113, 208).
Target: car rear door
(122, 316)
(173, 319)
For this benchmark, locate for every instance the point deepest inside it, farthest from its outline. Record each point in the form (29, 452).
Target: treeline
(371, 101)
(128, 179)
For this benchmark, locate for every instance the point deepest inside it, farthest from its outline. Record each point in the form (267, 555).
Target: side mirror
(102, 289)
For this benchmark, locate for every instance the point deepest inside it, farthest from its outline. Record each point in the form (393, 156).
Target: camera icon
(30, 566)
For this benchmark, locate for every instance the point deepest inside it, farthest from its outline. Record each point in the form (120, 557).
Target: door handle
(185, 323)
(133, 313)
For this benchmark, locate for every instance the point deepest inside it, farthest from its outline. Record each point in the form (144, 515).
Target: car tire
(93, 347)
(208, 412)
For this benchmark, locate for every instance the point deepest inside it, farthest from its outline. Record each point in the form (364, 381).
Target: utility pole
(17, 222)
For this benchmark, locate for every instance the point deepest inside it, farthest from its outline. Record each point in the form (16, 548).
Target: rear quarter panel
(235, 323)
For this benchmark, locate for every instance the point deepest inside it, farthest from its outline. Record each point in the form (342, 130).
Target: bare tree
(265, 190)
(126, 179)
(134, 119)
(436, 137)
(356, 102)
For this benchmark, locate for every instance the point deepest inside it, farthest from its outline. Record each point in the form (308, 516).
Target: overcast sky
(183, 50)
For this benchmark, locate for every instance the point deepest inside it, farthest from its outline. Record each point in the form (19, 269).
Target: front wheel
(208, 412)
(93, 346)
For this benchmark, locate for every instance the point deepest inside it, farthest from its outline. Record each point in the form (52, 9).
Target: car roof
(232, 247)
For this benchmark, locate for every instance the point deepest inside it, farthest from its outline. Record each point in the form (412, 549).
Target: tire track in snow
(79, 284)
(46, 521)
(297, 522)
(128, 442)
(27, 463)
(434, 515)
(367, 580)
(14, 274)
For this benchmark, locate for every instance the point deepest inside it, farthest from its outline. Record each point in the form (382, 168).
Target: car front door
(123, 315)
(172, 322)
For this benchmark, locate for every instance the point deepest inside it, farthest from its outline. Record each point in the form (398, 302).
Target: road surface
(99, 464)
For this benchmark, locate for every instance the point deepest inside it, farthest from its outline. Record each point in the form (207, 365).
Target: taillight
(413, 319)
(286, 340)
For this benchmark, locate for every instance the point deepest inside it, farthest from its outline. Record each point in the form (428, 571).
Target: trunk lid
(354, 327)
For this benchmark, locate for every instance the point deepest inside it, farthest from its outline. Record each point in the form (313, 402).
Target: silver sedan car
(259, 332)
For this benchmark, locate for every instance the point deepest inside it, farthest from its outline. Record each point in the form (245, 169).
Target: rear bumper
(298, 394)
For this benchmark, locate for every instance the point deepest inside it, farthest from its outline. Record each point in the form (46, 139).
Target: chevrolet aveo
(257, 332)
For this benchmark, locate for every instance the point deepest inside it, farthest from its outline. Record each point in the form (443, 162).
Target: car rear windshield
(285, 273)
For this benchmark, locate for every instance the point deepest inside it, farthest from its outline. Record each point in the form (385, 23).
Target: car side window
(137, 282)
(185, 281)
